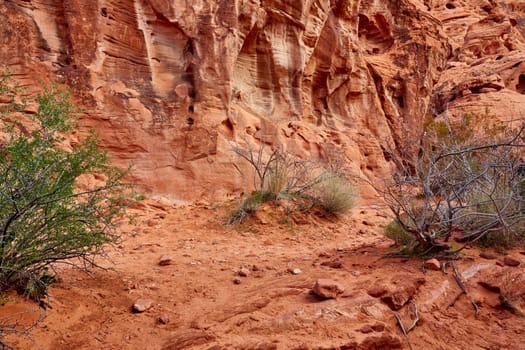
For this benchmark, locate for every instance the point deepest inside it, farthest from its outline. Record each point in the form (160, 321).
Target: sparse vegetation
(334, 193)
(248, 207)
(395, 232)
(511, 292)
(58, 202)
(461, 183)
(282, 176)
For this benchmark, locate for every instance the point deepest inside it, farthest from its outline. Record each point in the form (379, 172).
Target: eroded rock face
(171, 84)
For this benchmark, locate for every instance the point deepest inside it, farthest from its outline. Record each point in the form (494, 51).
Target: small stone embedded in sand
(399, 290)
(164, 318)
(488, 255)
(237, 281)
(327, 288)
(432, 264)
(335, 264)
(378, 327)
(366, 329)
(165, 260)
(141, 305)
(377, 291)
(510, 261)
(296, 271)
(268, 242)
(243, 272)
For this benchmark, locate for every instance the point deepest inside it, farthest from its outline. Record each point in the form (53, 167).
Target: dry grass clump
(277, 177)
(335, 194)
(280, 175)
(512, 292)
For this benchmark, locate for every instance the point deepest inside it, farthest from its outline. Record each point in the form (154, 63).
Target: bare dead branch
(416, 318)
(457, 277)
(476, 308)
(455, 182)
(403, 330)
(8, 327)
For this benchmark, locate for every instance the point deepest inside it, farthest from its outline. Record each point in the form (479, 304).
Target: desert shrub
(46, 215)
(278, 174)
(395, 232)
(454, 180)
(334, 193)
(494, 208)
(248, 207)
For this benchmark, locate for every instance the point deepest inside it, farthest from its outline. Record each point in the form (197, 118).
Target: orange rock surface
(170, 85)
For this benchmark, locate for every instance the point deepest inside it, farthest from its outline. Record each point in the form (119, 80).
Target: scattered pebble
(296, 271)
(510, 261)
(378, 327)
(164, 318)
(488, 255)
(165, 260)
(243, 272)
(141, 305)
(334, 264)
(366, 329)
(237, 281)
(327, 288)
(432, 264)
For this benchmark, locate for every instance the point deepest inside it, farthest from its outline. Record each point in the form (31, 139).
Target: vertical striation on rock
(170, 84)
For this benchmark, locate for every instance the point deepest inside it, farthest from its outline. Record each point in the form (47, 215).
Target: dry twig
(463, 290)
(476, 308)
(416, 318)
(404, 330)
(398, 318)
(444, 267)
(460, 284)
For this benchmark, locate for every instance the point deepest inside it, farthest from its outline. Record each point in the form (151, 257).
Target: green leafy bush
(46, 214)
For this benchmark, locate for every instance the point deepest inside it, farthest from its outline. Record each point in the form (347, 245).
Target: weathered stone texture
(170, 84)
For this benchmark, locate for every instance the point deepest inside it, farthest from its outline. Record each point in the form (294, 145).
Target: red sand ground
(270, 308)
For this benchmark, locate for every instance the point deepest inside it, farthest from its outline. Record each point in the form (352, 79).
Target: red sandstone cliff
(170, 84)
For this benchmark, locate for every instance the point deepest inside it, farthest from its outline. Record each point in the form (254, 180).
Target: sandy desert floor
(199, 300)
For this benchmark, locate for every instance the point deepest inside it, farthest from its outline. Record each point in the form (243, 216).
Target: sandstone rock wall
(171, 84)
